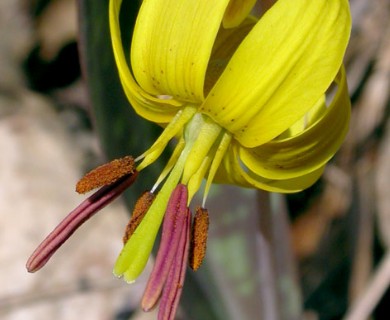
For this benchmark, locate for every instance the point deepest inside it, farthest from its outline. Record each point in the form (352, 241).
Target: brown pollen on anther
(199, 234)
(141, 207)
(106, 174)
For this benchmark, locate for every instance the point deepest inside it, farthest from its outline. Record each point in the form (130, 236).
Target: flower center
(198, 152)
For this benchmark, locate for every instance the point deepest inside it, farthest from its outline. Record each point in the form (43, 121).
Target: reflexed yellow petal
(225, 45)
(227, 171)
(232, 171)
(236, 12)
(282, 68)
(306, 121)
(149, 107)
(172, 43)
(284, 186)
(309, 150)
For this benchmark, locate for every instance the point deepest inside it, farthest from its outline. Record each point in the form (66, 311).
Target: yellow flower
(246, 99)
(256, 103)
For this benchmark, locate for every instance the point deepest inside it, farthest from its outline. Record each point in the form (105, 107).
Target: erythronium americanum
(247, 102)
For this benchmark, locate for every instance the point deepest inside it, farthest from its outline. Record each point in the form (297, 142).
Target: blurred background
(322, 253)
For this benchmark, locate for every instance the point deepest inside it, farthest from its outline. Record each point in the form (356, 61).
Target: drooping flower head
(246, 100)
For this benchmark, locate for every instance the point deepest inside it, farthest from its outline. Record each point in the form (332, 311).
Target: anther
(106, 174)
(141, 207)
(199, 233)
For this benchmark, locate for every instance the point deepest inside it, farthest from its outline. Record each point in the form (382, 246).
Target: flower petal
(236, 12)
(153, 108)
(226, 43)
(231, 171)
(308, 151)
(312, 116)
(281, 69)
(171, 46)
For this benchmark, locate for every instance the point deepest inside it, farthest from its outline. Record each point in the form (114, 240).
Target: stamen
(218, 157)
(141, 207)
(171, 163)
(199, 238)
(136, 252)
(173, 288)
(197, 178)
(106, 174)
(174, 223)
(172, 129)
(204, 141)
(75, 219)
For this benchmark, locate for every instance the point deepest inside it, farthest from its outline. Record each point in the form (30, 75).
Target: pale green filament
(196, 179)
(173, 128)
(218, 156)
(204, 141)
(171, 163)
